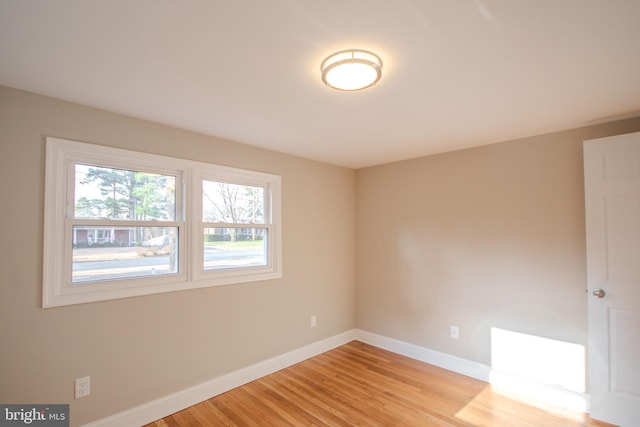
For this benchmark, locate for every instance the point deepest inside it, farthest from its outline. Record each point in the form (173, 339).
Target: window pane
(109, 193)
(108, 253)
(234, 247)
(232, 203)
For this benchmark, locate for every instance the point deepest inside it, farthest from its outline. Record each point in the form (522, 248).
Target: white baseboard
(528, 390)
(160, 408)
(432, 357)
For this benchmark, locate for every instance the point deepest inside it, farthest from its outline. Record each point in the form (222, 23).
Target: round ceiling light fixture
(352, 69)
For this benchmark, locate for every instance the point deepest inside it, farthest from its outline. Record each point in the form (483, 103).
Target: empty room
(337, 213)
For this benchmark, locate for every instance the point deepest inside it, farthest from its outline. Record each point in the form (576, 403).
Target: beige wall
(143, 348)
(479, 238)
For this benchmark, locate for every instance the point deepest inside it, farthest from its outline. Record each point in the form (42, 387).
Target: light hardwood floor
(360, 385)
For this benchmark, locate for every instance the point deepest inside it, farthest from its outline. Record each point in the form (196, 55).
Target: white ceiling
(456, 73)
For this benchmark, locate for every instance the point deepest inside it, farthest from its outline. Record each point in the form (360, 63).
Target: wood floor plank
(377, 398)
(305, 399)
(214, 415)
(361, 385)
(323, 398)
(280, 404)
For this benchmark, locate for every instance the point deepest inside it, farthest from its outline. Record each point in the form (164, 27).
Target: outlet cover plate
(455, 333)
(82, 387)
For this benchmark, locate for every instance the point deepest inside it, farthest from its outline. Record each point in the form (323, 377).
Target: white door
(612, 202)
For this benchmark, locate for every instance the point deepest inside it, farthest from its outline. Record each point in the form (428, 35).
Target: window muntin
(159, 220)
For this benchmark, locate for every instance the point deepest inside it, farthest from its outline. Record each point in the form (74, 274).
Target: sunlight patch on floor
(539, 369)
(507, 409)
(542, 360)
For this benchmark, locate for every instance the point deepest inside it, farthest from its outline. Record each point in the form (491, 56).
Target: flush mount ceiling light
(351, 69)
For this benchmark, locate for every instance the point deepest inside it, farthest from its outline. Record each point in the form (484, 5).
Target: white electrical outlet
(454, 333)
(314, 321)
(83, 387)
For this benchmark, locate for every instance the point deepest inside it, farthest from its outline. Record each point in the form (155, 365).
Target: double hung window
(120, 223)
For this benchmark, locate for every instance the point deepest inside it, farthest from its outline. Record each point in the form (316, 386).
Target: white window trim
(58, 209)
(272, 220)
